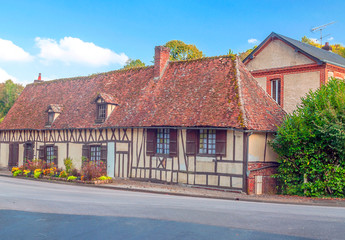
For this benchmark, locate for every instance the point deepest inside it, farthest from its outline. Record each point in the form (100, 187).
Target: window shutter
(221, 142)
(151, 142)
(26, 153)
(86, 152)
(173, 143)
(10, 155)
(56, 155)
(104, 154)
(30, 154)
(191, 142)
(41, 153)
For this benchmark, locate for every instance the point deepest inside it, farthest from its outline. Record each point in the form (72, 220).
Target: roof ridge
(90, 76)
(240, 95)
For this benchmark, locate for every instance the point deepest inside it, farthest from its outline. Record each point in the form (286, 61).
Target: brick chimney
(327, 47)
(162, 55)
(39, 79)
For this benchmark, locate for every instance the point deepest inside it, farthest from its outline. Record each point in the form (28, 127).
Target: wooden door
(13, 155)
(122, 166)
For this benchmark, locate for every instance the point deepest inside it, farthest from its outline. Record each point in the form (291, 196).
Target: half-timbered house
(202, 122)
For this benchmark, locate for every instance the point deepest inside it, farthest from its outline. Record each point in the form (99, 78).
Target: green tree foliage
(243, 55)
(9, 92)
(182, 51)
(134, 64)
(336, 48)
(311, 144)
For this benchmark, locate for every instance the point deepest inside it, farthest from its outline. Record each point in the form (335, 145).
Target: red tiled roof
(205, 92)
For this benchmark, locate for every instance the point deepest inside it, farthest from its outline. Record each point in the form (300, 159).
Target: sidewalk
(192, 191)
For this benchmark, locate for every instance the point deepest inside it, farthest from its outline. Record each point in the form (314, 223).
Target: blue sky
(77, 38)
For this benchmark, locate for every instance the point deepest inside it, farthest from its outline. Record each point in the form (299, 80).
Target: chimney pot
(39, 79)
(162, 55)
(327, 47)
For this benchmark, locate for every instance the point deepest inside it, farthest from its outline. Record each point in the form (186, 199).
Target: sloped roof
(209, 92)
(318, 54)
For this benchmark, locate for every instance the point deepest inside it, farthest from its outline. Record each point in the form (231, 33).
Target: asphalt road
(39, 210)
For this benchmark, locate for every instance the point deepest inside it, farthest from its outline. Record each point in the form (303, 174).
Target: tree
(336, 48)
(311, 144)
(243, 55)
(134, 64)
(9, 92)
(182, 51)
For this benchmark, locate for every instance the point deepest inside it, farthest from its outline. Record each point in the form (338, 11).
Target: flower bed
(91, 173)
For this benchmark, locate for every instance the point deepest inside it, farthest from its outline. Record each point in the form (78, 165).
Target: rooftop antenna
(320, 28)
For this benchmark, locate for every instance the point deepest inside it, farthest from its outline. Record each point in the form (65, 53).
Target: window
(161, 142)
(50, 154)
(50, 117)
(28, 152)
(207, 141)
(101, 112)
(95, 153)
(163, 139)
(275, 90)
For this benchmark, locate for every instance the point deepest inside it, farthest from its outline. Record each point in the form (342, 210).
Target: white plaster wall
(277, 54)
(256, 151)
(75, 152)
(62, 154)
(4, 154)
(297, 86)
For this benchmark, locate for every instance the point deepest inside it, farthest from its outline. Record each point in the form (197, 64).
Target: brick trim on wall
(268, 86)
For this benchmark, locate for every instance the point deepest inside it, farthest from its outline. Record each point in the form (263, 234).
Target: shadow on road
(31, 225)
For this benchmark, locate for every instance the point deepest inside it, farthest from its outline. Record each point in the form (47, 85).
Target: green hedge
(311, 144)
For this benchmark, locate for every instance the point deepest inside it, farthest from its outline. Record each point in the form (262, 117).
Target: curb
(323, 203)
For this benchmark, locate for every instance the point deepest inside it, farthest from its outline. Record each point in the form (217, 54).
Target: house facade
(287, 69)
(202, 122)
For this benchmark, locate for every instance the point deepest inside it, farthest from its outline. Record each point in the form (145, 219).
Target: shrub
(71, 178)
(17, 172)
(37, 173)
(92, 170)
(68, 162)
(311, 144)
(63, 174)
(104, 178)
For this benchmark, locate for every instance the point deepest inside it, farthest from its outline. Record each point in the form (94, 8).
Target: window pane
(163, 141)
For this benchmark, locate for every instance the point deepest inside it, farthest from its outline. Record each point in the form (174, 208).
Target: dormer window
(53, 112)
(51, 117)
(101, 111)
(105, 104)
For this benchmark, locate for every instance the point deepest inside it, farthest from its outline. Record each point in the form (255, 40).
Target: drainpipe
(246, 172)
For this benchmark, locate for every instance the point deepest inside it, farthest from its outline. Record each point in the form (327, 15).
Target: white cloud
(11, 52)
(330, 38)
(5, 76)
(74, 50)
(252, 41)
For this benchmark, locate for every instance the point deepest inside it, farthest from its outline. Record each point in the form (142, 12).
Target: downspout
(246, 172)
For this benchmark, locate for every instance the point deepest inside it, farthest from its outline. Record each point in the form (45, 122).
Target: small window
(51, 117)
(95, 153)
(50, 154)
(163, 141)
(28, 152)
(275, 90)
(101, 112)
(207, 141)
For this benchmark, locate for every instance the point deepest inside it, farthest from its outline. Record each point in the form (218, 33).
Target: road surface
(40, 210)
